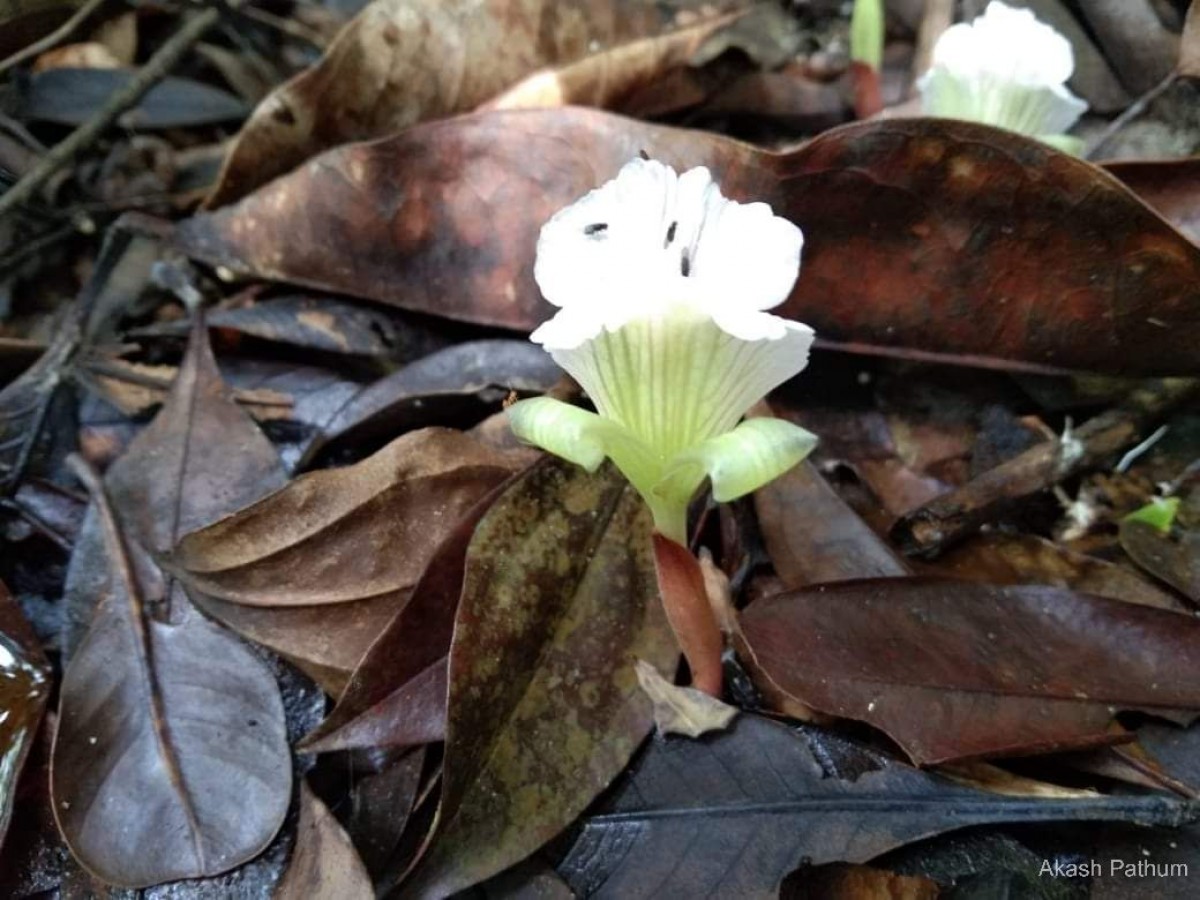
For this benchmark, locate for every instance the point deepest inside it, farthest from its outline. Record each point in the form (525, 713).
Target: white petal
(650, 239)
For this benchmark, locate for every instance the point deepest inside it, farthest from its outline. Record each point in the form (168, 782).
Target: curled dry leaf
(955, 671)
(324, 864)
(949, 237)
(608, 79)
(732, 814)
(358, 537)
(682, 710)
(400, 62)
(558, 602)
(339, 535)
(397, 695)
(170, 760)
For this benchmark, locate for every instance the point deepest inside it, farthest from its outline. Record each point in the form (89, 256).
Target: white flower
(1006, 69)
(662, 285)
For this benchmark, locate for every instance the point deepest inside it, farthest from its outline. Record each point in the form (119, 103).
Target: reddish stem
(681, 584)
(868, 95)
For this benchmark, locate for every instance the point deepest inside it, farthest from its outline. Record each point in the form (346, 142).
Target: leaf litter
(324, 508)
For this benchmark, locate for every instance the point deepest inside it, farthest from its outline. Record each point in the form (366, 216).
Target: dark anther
(685, 264)
(644, 155)
(670, 234)
(595, 228)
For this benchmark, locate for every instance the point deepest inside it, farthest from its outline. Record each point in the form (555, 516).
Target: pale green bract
(1007, 69)
(662, 285)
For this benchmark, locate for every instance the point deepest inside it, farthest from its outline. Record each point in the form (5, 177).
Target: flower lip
(650, 242)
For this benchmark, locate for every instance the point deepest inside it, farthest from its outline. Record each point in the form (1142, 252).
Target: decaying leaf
(733, 813)
(324, 865)
(400, 62)
(170, 760)
(953, 670)
(950, 237)
(558, 603)
(682, 710)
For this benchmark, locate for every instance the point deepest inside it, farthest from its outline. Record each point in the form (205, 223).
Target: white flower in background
(662, 285)
(1006, 69)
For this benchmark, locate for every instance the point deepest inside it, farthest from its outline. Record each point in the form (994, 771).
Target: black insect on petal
(595, 228)
(685, 264)
(644, 155)
(670, 234)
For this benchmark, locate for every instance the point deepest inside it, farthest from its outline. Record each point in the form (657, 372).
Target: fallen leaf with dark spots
(733, 813)
(170, 760)
(559, 600)
(952, 670)
(997, 246)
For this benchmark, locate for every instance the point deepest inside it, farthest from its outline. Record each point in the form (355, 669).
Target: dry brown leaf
(400, 62)
(682, 710)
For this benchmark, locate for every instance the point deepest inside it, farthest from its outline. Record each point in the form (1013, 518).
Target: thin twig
(37, 48)
(1135, 109)
(150, 74)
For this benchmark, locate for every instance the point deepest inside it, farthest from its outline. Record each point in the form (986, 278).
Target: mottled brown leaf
(558, 603)
(953, 670)
(400, 62)
(949, 237)
(170, 759)
(324, 865)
